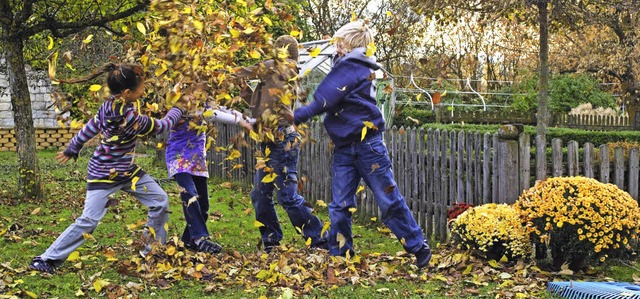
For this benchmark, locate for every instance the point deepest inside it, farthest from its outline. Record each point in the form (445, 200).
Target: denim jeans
(147, 191)
(370, 161)
(196, 212)
(283, 158)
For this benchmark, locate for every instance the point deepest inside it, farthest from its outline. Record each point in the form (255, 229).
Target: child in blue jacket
(347, 96)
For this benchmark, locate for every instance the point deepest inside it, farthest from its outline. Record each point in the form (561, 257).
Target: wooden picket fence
(434, 168)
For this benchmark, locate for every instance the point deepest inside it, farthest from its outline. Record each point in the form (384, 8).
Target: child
(269, 107)
(187, 163)
(111, 168)
(347, 95)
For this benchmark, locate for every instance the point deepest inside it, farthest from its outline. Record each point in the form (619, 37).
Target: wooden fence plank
(589, 160)
(619, 168)
(460, 197)
(557, 157)
(525, 161)
(634, 170)
(572, 158)
(486, 170)
(604, 163)
(541, 158)
(469, 170)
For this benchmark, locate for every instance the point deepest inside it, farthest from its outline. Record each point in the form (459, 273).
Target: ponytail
(120, 77)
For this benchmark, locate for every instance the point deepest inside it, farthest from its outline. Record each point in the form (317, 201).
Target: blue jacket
(348, 96)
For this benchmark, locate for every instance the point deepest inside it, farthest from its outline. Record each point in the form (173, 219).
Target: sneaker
(207, 246)
(41, 265)
(269, 246)
(423, 255)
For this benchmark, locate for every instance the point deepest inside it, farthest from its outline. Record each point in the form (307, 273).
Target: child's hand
(245, 125)
(61, 158)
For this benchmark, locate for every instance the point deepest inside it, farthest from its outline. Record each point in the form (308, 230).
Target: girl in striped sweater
(111, 167)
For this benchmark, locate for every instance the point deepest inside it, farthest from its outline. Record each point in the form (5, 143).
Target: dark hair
(120, 77)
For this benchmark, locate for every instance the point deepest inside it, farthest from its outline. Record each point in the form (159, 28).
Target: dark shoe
(41, 265)
(207, 246)
(320, 244)
(269, 246)
(423, 255)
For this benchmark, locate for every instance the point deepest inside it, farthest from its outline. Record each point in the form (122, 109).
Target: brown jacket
(274, 96)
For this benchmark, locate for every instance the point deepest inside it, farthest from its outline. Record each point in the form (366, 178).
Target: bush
(413, 117)
(580, 219)
(493, 231)
(566, 91)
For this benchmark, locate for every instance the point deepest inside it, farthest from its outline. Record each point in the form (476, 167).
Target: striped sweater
(120, 124)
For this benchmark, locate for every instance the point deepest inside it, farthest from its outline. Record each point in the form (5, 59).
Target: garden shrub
(492, 231)
(626, 146)
(579, 219)
(413, 117)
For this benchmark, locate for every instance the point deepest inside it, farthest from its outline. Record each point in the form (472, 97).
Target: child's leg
(262, 199)
(375, 167)
(94, 209)
(284, 160)
(344, 183)
(150, 194)
(191, 206)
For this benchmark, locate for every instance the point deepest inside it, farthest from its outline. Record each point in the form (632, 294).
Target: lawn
(107, 265)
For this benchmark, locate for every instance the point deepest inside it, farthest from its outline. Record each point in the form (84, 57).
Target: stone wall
(48, 131)
(43, 112)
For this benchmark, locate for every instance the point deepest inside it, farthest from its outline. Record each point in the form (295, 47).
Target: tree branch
(5, 15)
(62, 29)
(22, 16)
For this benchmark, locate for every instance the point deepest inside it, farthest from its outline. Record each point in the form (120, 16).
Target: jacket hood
(358, 55)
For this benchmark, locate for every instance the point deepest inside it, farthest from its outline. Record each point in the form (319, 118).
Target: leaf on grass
(141, 28)
(257, 224)
(321, 203)
(35, 211)
(341, 240)
(99, 284)
(74, 256)
(95, 87)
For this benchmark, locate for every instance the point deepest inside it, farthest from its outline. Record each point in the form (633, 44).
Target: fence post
(508, 164)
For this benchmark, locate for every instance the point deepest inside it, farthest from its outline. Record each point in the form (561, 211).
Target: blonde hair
(288, 42)
(356, 34)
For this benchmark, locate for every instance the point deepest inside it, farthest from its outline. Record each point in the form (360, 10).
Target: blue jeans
(283, 158)
(196, 213)
(370, 161)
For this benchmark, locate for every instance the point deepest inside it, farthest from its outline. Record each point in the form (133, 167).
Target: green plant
(566, 91)
(580, 219)
(492, 230)
(413, 117)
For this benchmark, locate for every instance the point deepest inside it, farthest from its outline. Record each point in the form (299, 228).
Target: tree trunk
(28, 168)
(543, 84)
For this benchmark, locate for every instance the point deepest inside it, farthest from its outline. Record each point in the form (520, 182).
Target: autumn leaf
(235, 154)
(364, 133)
(50, 46)
(88, 39)
(74, 256)
(360, 189)
(341, 240)
(134, 181)
(295, 33)
(371, 49)
(141, 28)
(269, 178)
(353, 210)
(315, 52)
(257, 224)
(99, 284)
(321, 203)
(95, 87)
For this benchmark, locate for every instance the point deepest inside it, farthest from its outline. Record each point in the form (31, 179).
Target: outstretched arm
(88, 131)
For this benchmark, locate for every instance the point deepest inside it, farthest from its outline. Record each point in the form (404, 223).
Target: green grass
(27, 228)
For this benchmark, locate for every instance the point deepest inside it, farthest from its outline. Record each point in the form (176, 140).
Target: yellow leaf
(364, 133)
(134, 181)
(235, 154)
(166, 226)
(494, 264)
(31, 294)
(152, 231)
(467, 270)
(321, 203)
(371, 49)
(234, 33)
(341, 240)
(418, 97)
(360, 189)
(353, 16)
(199, 267)
(403, 242)
(87, 236)
(35, 211)
(504, 259)
(99, 284)
(95, 87)
(125, 29)
(352, 210)
(76, 124)
(79, 293)
(253, 135)
(315, 52)
(170, 251)
(308, 242)
(74, 256)
(69, 66)
(374, 219)
(325, 227)
(389, 14)
(295, 33)
(369, 124)
(306, 72)
(209, 141)
(198, 24)
(269, 178)
(443, 93)
(113, 138)
(50, 46)
(88, 39)
(286, 99)
(61, 124)
(258, 224)
(254, 54)
(141, 28)
(267, 20)
(267, 152)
